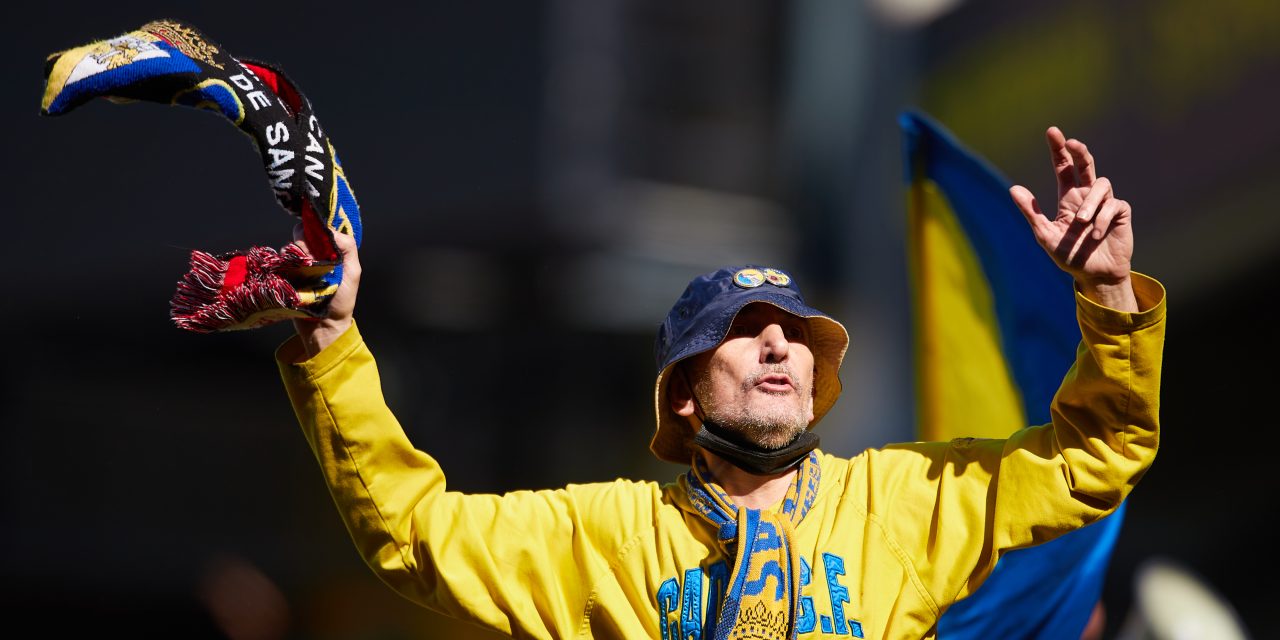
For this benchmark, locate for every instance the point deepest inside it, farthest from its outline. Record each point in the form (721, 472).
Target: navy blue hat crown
(701, 316)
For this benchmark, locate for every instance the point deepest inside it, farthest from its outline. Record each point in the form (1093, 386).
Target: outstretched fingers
(1063, 163)
(1086, 170)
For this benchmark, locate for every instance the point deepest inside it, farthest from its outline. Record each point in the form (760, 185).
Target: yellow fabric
(211, 105)
(763, 550)
(974, 395)
(74, 64)
(894, 536)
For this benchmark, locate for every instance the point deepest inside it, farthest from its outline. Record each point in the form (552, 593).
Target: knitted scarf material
(762, 597)
(172, 63)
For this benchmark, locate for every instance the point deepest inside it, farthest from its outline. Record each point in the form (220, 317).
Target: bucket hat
(701, 318)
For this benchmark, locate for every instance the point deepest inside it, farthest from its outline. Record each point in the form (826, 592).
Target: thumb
(349, 253)
(346, 243)
(1027, 204)
(346, 247)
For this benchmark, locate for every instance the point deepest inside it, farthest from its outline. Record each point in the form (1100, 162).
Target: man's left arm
(989, 496)
(1104, 432)
(985, 497)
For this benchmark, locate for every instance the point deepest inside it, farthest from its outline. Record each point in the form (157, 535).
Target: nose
(774, 346)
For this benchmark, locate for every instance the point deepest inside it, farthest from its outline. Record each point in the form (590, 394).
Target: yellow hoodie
(894, 537)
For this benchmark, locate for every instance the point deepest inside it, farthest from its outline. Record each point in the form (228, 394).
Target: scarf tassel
(231, 289)
(172, 63)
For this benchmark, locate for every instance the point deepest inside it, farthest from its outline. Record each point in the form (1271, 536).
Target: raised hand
(319, 333)
(1090, 235)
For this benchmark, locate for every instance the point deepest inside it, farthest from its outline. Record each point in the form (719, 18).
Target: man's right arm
(523, 563)
(517, 563)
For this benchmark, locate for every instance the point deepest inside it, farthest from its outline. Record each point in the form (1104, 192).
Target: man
(765, 536)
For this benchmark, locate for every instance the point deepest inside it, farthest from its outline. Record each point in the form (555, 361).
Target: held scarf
(172, 63)
(762, 598)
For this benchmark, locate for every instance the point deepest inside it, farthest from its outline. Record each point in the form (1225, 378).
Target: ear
(680, 393)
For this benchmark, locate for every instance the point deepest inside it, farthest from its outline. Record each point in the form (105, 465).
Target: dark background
(538, 181)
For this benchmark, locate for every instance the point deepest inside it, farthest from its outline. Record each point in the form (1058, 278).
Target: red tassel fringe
(233, 291)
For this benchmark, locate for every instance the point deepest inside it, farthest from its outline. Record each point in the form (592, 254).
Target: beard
(769, 427)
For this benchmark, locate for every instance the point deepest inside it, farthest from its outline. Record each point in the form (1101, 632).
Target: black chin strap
(752, 458)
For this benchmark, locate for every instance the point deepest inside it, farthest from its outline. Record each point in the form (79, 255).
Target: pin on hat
(777, 278)
(748, 278)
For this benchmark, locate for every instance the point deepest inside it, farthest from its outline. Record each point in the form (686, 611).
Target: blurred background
(539, 180)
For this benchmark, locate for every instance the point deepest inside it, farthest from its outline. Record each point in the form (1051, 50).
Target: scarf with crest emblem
(763, 592)
(169, 62)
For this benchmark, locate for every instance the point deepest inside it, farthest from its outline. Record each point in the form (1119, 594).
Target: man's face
(759, 381)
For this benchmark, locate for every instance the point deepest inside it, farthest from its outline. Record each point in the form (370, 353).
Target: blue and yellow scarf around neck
(764, 587)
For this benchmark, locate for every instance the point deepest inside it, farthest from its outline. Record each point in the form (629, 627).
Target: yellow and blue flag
(995, 331)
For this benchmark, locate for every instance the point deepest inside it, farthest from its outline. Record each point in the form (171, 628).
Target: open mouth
(775, 383)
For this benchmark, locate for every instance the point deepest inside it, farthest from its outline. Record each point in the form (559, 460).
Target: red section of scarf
(315, 230)
(278, 84)
(317, 234)
(236, 273)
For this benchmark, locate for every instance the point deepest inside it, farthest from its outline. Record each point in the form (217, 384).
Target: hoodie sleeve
(956, 506)
(523, 563)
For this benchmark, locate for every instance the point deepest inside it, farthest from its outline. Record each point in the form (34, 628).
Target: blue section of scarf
(170, 62)
(762, 597)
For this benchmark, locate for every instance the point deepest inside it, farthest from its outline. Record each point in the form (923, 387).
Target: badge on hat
(777, 278)
(748, 278)
(752, 278)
